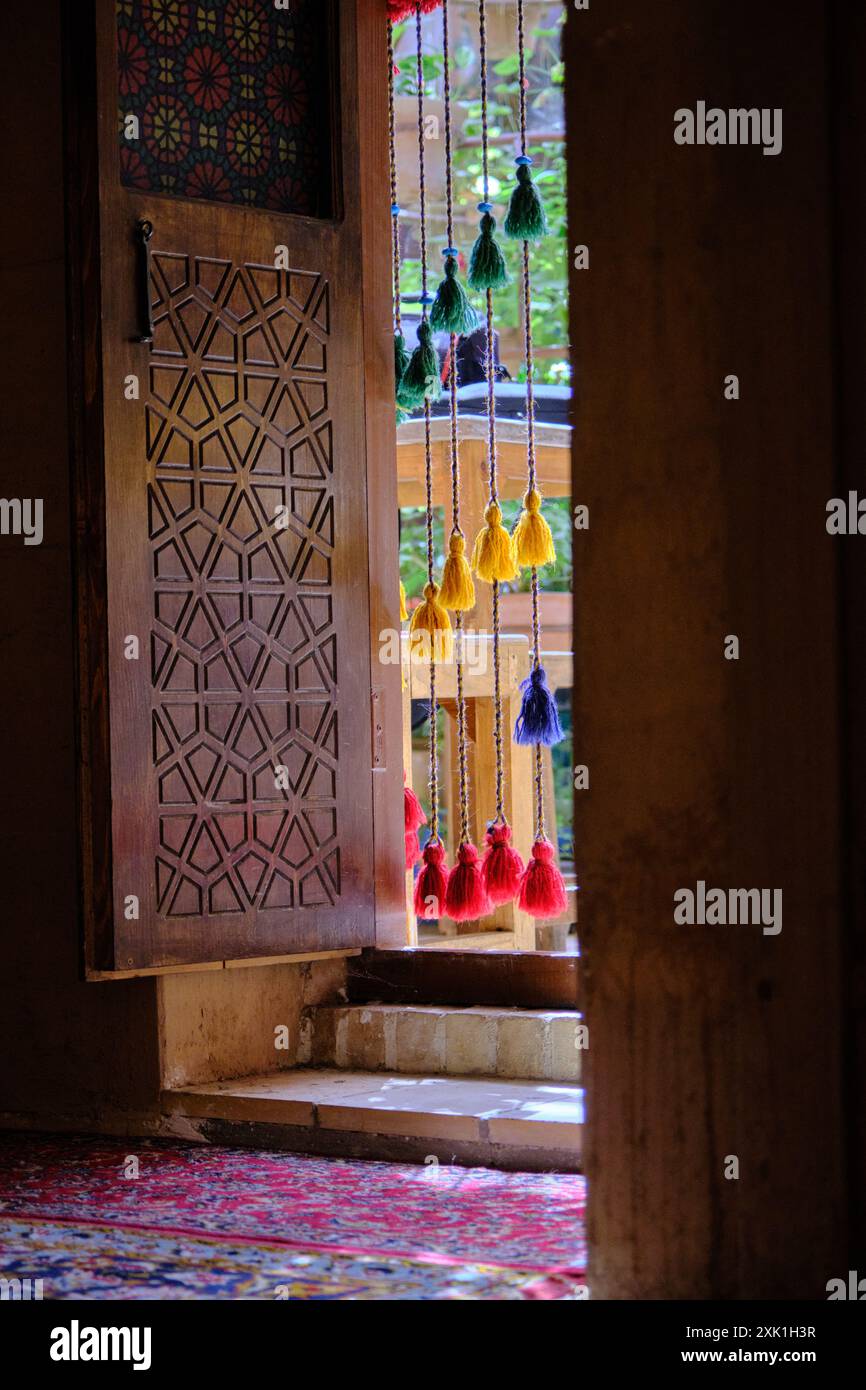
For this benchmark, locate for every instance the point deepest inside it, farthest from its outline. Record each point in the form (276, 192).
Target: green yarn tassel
(421, 379)
(401, 362)
(452, 312)
(401, 359)
(525, 219)
(487, 269)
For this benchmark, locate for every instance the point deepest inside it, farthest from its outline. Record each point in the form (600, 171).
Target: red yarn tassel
(402, 9)
(542, 889)
(466, 897)
(432, 882)
(413, 812)
(502, 865)
(413, 849)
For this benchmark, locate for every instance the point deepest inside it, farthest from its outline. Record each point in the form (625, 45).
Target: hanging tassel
(452, 312)
(413, 811)
(502, 866)
(457, 591)
(421, 379)
(466, 897)
(401, 360)
(533, 539)
(525, 219)
(542, 889)
(412, 848)
(413, 817)
(493, 553)
(431, 634)
(538, 720)
(404, 611)
(431, 885)
(402, 9)
(487, 269)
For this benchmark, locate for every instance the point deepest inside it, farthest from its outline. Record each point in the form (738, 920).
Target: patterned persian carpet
(135, 1219)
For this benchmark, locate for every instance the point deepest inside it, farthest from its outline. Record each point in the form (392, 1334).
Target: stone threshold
(483, 1120)
(428, 1039)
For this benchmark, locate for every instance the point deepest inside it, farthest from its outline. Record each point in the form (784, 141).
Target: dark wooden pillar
(848, 133)
(73, 1051)
(707, 519)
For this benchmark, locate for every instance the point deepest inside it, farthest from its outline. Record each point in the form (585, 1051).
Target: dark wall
(68, 1048)
(708, 519)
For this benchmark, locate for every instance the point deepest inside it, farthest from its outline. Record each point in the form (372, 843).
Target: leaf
(431, 64)
(507, 67)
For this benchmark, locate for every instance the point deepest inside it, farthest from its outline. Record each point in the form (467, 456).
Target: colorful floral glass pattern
(231, 101)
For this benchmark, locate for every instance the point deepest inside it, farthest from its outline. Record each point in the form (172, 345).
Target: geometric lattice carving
(243, 653)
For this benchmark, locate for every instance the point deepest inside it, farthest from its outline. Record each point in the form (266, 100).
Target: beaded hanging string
(431, 636)
(542, 890)
(401, 356)
(398, 10)
(413, 813)
(466, 897)
(453, 312)
(525, 219)
(493, 557)
(421, 382)
(430, 633)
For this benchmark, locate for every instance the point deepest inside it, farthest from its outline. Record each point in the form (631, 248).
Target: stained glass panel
(226, 100)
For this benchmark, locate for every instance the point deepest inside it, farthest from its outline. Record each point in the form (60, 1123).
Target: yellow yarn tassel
(431, 634)
(533, 541)
(458, 591)
(404, 612)
(493, 555)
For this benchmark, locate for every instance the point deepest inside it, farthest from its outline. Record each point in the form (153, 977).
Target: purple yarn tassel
(538, 720)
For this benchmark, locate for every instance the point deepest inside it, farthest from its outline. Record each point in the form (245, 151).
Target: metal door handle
(144, 232)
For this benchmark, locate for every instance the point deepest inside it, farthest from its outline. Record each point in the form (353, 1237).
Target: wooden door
(230, 468)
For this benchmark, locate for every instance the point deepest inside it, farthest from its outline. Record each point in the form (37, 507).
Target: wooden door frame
(371, 27)
(362, 44)
(708, 518)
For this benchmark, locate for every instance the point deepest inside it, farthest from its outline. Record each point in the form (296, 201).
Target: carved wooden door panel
(237, 641)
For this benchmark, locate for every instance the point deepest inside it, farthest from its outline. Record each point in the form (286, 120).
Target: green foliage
(555, 579)
(545, 74)
(413, 548)
(507, 67)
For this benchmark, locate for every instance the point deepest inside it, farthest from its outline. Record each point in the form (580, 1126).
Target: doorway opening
(454, 121)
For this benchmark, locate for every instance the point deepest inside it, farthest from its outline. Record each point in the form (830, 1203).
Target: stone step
(526, 1044)
(446, 1119)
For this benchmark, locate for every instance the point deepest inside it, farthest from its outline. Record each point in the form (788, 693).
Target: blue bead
(485, 207)
(523, 159)
(450, 251)
(427, 299)
(396, 209)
